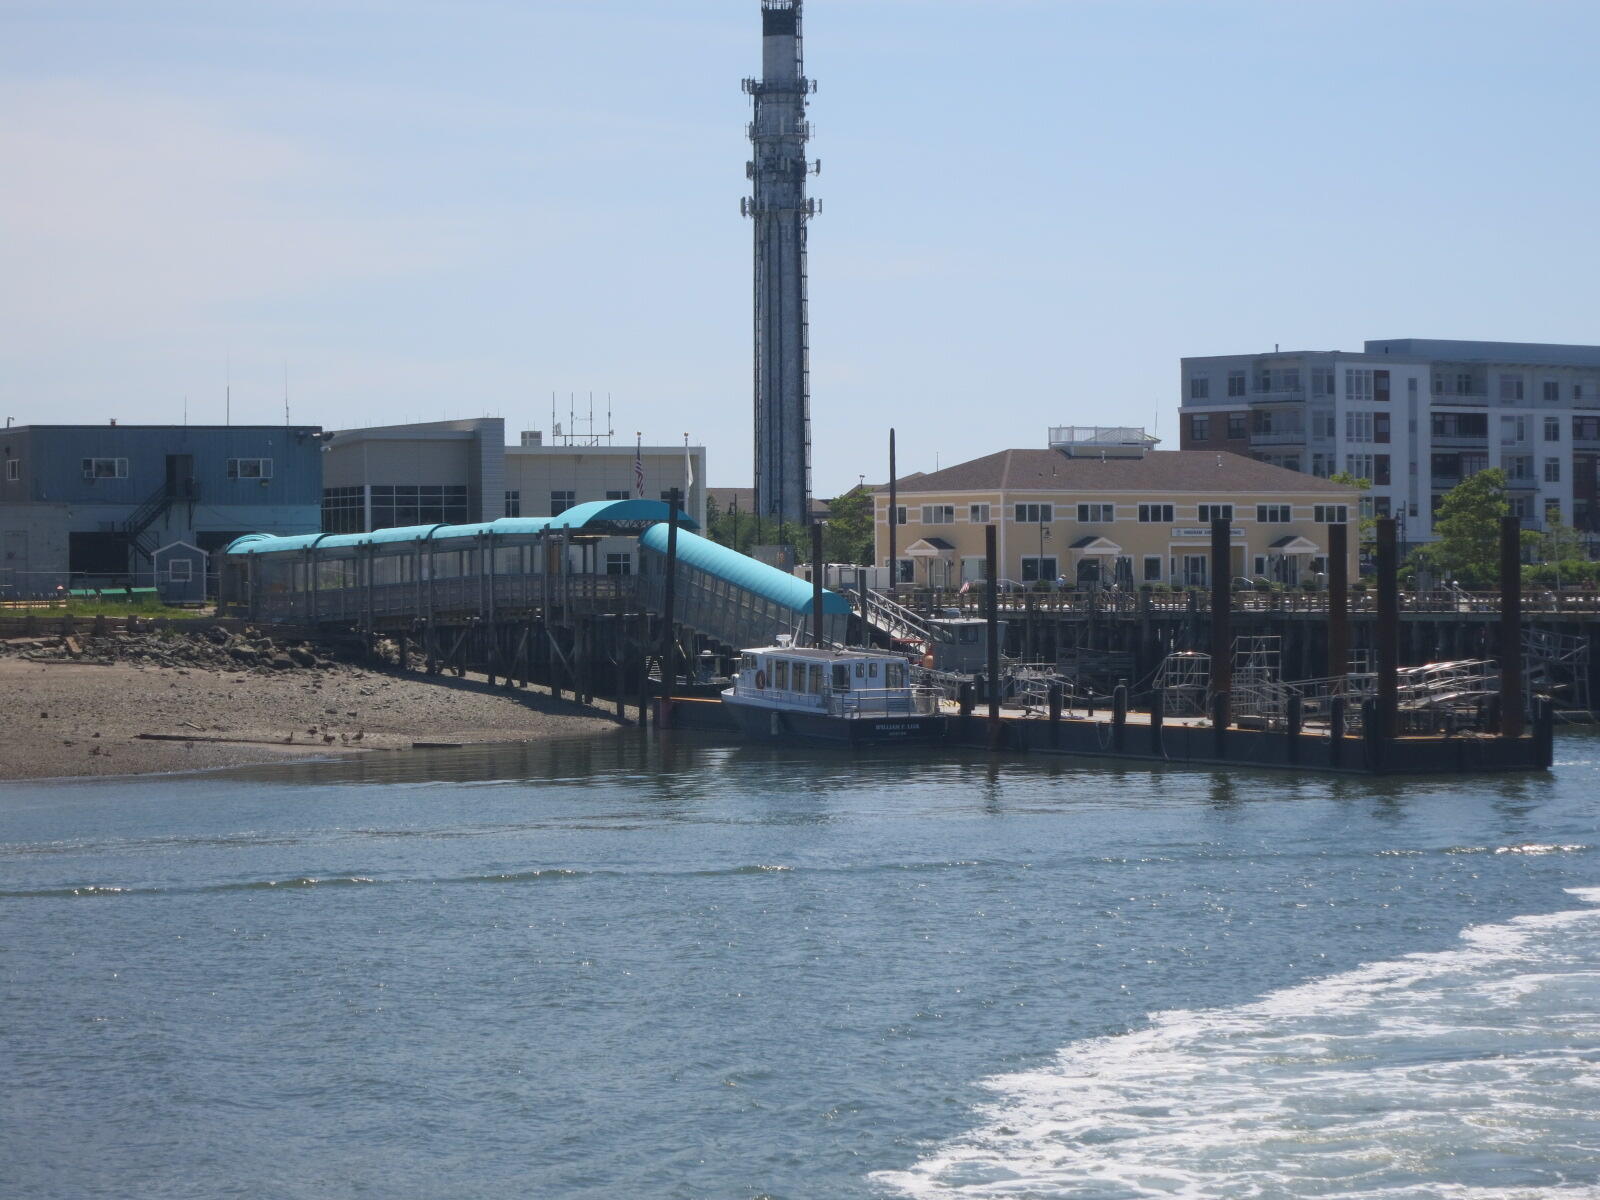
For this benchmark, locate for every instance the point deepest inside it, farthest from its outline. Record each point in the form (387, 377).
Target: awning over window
(1293, 543)
(1095, 544)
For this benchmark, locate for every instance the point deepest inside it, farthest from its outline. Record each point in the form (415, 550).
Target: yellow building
(1100, 505)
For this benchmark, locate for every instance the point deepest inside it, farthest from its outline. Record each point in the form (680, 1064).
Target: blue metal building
(88, 505)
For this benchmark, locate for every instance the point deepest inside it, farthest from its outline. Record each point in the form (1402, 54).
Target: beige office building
(1103, 506)
(462, 472)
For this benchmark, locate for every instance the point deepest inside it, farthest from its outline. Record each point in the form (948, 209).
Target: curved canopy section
(743, 571)
(266, 543)
(618, 516)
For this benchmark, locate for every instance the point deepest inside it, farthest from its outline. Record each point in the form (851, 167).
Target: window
(1380, 427)
(1471, 464)
(561, 501)
(1323, 424)
(1552, 513)
(1552, 470)
(900, 514)
(1096, 514)
(780, 674)
(906, 570)
(938, 514)
(1155, 514)
(1513, 430)
(978, 514)
(1035, 514)
(1035, 569)
(1518, 466)
(1322, 381)
(1199, 427)
(617, 493)
(1586, 429)
(1511, 387)
(344, 509)
(1273, 514)
(1236, 383)
(249, 468)
(1261, 565)
(105, 468)
(1199, 388)
(401, 504)
(13, 469)
(1330, 514)
(1380, 469)
(179, 570)
(513, 504)
(1237, 426)
(973, 568)
(1552, 429)
(1522, 507)
(1357, 384)
(1321, 465)
(1215, 512)
(1152, 568)
(1358, 426)
(814, 685)
(619, 563)
(1552, 390)
(1359, 465)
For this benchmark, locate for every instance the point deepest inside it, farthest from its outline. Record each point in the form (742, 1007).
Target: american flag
(638, 469)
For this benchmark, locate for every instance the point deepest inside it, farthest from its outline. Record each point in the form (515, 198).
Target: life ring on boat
(761, 680)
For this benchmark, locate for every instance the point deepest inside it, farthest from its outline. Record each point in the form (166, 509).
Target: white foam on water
(1467, 1074)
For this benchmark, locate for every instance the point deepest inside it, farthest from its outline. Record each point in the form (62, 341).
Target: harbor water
(631, 967)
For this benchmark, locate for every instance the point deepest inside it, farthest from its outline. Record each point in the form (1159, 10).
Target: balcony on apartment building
(1281, 396)
(1474, 399)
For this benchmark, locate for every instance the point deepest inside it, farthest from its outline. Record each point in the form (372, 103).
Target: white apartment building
(1415, 416)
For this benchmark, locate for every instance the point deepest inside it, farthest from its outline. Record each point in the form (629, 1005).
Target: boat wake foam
(1467, 1073)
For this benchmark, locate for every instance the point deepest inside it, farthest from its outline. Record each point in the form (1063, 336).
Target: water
(611, 968)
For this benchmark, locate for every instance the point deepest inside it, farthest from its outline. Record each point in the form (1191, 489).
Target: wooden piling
(894, 531)
(1221, 605)
(992, 613)
(1511, 723)
(816, 584)
(1338, 605)
(669, 632)
(1388, 630)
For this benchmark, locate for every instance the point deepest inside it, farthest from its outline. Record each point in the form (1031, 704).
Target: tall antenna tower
(780, 209)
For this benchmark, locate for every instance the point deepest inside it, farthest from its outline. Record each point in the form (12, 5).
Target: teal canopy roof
(597, 517)
(743, 571)
(638, 514)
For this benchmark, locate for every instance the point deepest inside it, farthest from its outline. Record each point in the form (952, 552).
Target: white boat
(854, 697)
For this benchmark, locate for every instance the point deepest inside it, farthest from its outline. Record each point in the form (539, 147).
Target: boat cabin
(800, 677)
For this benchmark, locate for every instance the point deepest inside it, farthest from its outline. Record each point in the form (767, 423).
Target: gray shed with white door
(180, 573)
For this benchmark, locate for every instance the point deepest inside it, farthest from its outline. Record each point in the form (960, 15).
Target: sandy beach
(115, 710)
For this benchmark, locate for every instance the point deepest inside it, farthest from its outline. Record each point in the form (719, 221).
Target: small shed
(180, 573)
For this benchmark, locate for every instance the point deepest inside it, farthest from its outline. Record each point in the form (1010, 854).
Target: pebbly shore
(173, 700)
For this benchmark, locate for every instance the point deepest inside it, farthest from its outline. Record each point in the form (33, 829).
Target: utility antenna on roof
(286, 391)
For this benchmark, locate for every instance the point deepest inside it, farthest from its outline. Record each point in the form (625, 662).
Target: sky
(1032, 209)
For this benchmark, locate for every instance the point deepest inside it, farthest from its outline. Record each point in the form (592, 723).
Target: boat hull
(767, 724)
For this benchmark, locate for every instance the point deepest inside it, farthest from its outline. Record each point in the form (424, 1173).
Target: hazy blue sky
(1031, 210)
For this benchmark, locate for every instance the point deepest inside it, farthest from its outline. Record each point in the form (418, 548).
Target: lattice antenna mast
(779, 207)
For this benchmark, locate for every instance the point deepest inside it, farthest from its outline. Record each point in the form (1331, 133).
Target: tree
(1366, 523)
(1467, 529)
(848, 537)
